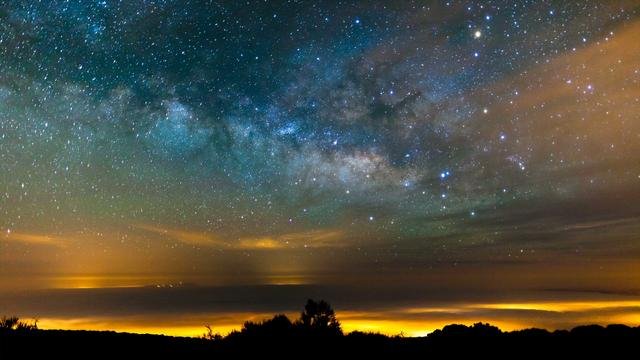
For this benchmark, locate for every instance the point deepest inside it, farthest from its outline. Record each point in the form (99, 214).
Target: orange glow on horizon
(409, 321)
(562, 306)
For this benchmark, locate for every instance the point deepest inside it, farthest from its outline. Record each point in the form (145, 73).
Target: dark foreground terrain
(317, 334)
(454, 340)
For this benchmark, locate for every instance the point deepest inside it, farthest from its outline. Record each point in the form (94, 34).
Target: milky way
(301, 139)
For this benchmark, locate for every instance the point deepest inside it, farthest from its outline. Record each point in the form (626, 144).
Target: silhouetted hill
(454, 340)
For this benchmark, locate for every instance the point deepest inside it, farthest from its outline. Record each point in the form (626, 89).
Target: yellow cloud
(259, 243)
(307, 239)
(35, 239)
(198, 238)
(588, 93)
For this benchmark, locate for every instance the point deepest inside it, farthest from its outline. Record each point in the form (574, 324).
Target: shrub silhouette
(279, 325)
(477, 330)
(14, 323)
(8, 323)
(317, 319)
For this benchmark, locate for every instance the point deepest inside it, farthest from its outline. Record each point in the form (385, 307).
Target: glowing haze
(476, 160)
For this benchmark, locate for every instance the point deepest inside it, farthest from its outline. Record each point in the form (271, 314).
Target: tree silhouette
(319, 317)
(211, 335)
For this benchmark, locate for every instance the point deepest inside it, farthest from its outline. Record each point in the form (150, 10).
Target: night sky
(459, 147)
